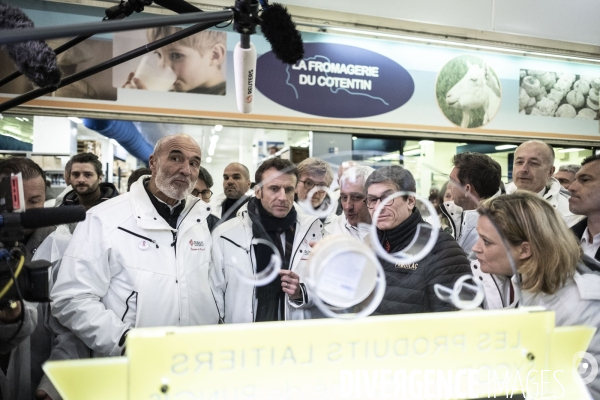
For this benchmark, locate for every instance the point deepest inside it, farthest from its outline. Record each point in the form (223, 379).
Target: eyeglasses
(205, 194)
(309, 185)
(372, 201)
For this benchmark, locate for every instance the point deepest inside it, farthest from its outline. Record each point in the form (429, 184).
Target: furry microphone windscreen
(280, 31)
(34, 59)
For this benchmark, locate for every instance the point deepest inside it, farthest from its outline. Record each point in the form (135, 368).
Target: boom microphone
(244, 66)
(34, 59)
(280, 31)
(41, 217)
(244, 54)
(178, 6)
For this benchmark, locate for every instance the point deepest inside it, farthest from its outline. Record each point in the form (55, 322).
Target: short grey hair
(572, 168)
(316, 166)
(396, 174)
(361, 172)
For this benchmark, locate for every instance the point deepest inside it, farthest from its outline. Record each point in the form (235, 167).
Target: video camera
(19, 281)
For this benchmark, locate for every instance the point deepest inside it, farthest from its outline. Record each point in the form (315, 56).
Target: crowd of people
(168, 253)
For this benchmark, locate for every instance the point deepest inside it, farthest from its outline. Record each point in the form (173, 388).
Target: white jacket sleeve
(83, 280)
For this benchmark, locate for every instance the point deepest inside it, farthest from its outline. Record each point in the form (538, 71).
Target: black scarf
(229, 203)
(266, 226)
(397, 238)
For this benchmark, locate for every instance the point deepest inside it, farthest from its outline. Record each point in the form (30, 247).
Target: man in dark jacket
(585, 201)
(86, 179)
(410, 286)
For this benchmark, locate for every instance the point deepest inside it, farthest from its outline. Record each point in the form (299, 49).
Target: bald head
(236, 180)
(544, 149)
(533, 165)
(175, 164)
(242, 167)
(180, 139)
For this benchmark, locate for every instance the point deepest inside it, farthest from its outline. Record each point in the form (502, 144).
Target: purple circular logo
(335, 80)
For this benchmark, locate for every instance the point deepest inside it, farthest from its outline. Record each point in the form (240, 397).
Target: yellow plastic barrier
(456, 355)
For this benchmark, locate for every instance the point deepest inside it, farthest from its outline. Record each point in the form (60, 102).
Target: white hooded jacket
(340, 226)
(557, 198)
(126, 267)
(233, 253)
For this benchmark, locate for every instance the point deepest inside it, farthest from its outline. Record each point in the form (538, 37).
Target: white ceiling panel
(474, 14)
(572, 21)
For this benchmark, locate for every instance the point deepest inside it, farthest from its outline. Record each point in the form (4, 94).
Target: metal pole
(24, 35)
(106, 65)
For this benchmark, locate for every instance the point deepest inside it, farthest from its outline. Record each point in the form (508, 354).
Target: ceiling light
(506, 147)
(431, 40)
(425, 142)
(76, 120)
(25, 119)
(218, 128)
(354, 138)
(208, 159)
(19, 119)
(569, 150)
(214, 139)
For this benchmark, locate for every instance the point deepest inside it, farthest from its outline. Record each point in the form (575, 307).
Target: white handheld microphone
(244, 66)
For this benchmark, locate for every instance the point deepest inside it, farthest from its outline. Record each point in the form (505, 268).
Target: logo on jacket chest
(305, 253)
(196, 244)
(412, 266)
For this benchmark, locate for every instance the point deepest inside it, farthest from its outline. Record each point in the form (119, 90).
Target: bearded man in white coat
(140, 259)
(271, 216)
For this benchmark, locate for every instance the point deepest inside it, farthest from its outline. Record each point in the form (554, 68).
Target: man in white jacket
(352, 197)
(142, 258)
(475, 177)
(533, 168)
(272, 217)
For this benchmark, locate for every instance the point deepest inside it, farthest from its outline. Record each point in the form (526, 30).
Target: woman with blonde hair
(547, 258)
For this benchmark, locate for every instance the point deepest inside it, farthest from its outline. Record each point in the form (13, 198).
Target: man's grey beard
(164, 185)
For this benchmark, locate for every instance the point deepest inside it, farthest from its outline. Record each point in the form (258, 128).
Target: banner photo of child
(196, 64)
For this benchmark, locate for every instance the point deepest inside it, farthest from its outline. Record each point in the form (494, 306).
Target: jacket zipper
(174, 244)
(140, 236)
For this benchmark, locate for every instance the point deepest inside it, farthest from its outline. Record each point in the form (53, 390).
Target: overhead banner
(342, 82)
(336, 80)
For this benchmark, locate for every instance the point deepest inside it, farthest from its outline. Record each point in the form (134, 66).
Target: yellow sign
(455, 355)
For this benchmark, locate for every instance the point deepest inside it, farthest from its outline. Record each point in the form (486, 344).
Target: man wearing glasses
(352, 197)
(312, 173)
(409, 287)
(202, 191)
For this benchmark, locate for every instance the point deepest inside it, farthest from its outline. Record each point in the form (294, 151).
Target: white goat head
(469, 93)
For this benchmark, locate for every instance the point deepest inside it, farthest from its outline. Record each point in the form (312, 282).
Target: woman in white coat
(548, 260)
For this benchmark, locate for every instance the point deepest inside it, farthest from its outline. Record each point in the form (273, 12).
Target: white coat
(576, 303)
(340, 226)
(557, 198)
(232, 251)
(126, 267)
